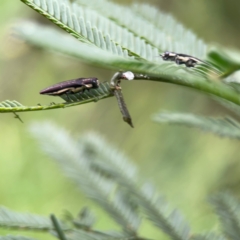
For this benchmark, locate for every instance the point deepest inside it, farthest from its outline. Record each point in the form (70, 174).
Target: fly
(71, 86)
(189, 61)
(180, 58)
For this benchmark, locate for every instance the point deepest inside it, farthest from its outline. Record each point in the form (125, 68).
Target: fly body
(190, 61)
(71, 86)
(180, 58)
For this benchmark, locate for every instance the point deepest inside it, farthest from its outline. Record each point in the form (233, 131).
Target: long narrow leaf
(208, 236)
(224, 127)
(228, 211)
(25, 221)
(96, 186)
(116, 166)
(182, 40)
(151, 25)
(9, 237)
(89, 27)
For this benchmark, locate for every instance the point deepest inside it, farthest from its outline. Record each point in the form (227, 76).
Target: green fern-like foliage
(90, 27)
(226, 59)
(166, 72)
(208, 236)
(224, 127)
(94, 185)
(139, 30)
(112, 164)
(228, 211)
(118, 180)
(108, 177)
(153, 26)
(9, 237)
(131, 40)
(122, 38)
(24, 221)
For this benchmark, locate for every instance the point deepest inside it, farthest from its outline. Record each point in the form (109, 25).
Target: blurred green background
(186, 165)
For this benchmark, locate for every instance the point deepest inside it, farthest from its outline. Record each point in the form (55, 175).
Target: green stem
(213, 88)
(49, 107)
(217, 89)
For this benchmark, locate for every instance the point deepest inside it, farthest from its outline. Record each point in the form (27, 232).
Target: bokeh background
(186, 165)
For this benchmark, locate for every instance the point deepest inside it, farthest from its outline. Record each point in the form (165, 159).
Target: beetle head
(95, 83)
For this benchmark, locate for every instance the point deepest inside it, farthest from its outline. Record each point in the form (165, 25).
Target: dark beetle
(71, 86)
